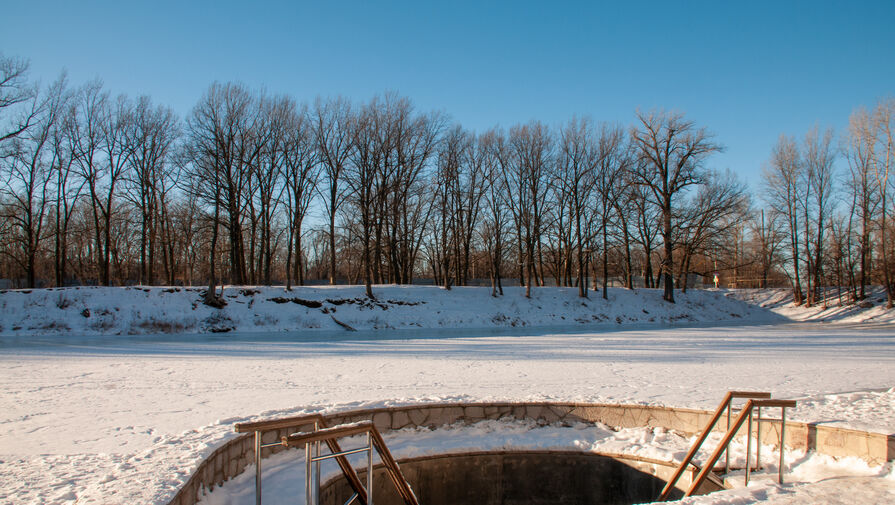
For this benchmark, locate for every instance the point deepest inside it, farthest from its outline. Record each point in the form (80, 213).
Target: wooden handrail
(755, 395)
(348, 471)
(728, 397)
(394, 471)
(326, 434)
(775, 403)
(276, 424)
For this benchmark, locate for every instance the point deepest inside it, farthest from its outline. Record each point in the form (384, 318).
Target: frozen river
(78, 414)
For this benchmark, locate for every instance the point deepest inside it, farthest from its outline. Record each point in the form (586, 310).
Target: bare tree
(415, 139)
(647, 219)
(526, 168)
(493, 229)
(673, 150)
(87, 140)
(468, 204)
(447, 197)
(613, 162)
(332, 120)
(273, 133)
(115, 196)
(769, 238)
(222, 151)
(819, 157)
(18, 108)
(717, 210)
(884, 118)
(301, 172)
(859, 149)
(151, 133)
(839, 259)
(114, 124)
(626, 211)
(368, 154)
(784, 188)
(68, 190)
(28, 178)
(577, 160)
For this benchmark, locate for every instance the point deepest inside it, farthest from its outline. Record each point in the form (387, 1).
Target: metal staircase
(754, 400)
(311, 440)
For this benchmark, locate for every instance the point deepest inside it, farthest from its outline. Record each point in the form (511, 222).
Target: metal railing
(317, 422)
(755, 400)
(724, 405)
(374, 441)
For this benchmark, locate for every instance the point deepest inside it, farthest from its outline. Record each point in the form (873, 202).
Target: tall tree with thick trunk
(673, 151)
(222, 129)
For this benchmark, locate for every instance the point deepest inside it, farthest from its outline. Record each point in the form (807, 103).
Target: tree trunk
(667, 261)
(332, 246)
(211, 297)
(605, 261)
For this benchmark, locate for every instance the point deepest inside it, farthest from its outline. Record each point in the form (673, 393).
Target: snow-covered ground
(283, 474)
(144, 310)
(835, 305)
(87, 416)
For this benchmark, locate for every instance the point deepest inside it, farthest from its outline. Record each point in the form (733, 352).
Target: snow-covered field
(87, 416)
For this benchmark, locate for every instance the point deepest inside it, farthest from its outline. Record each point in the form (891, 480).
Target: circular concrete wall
(515, 477)
(235, 455)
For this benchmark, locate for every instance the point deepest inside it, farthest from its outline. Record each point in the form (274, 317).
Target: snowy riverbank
(834, 308)
(155, 310)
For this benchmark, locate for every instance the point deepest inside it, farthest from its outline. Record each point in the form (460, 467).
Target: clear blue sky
(748, 71)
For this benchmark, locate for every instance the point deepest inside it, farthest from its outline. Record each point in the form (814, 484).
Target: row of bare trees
(253, 188)
(829, 227)
(75, 164)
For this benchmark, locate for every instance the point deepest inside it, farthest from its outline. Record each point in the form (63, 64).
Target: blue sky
(748, 71)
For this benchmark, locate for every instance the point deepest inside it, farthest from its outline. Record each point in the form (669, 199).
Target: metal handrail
(374, 441)
(725, 404)
(783, 404)
(315, 420)
(745, 414)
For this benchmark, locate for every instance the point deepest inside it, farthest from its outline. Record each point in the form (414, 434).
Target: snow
(89, 416)
(284, 473)
(832, 308)
(86, 311)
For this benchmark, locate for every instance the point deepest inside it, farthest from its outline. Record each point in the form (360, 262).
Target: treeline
(253, 188)
(829, 227)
